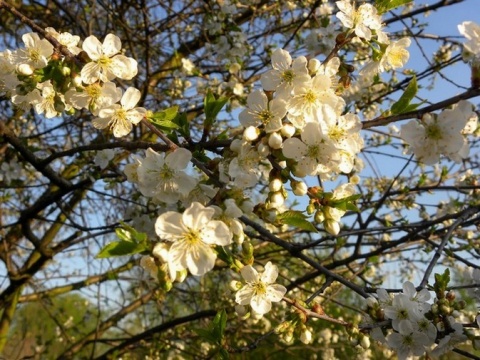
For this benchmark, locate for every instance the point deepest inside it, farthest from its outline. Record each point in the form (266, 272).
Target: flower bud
(288, 336)
(250, 133)
(276, 200)
(313, 65)
(275, 140)
(236, 145)
(310, 209)
(263, 150)
(306, 336)
(66, 71)
(288, 130)
(241, 310)
(331, 226)
(299, 188)
(24, 69)
(365, 342)
(77, 81)
(275, 185)
(318, 217)
(247, 249)
(371, 302)
(235, 285)
(247, 206)
(234, 68)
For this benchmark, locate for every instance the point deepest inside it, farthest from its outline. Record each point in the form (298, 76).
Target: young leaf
(402, 105)
(121, 248)
(219, 324)
(164, 119)
(386, 5)
(212, 107)
(297, 219)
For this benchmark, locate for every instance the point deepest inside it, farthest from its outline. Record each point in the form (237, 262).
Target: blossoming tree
(252, 176)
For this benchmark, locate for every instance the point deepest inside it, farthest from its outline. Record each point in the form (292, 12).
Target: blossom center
(310, 97)
(192, 237)
(288, 76)
(434, 132)
(104, 61)
(259, 288)
(93, 91)
(396, 56)
(312, 151)
(265, 116)
(166, 173)
(336, 133)
(34, 54)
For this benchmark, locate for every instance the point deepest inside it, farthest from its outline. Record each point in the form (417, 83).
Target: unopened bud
(288, 130)
(306, 336)
(66, 71)
(365, 342)
(299, 188)
(275, 140)
(313, 65)
(235, 285)
(450, 296)
(331, 226)
(275, 185)
(319, 218)
(250, 133)
(263, 150)
(276, 200)
(24, 69)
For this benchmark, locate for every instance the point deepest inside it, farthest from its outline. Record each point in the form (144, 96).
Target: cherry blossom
(163, 177)
(192, 234)
(285, 74)
(260, 111)
(361, 20)
(260, 290)
(106, 63)
(120, 118)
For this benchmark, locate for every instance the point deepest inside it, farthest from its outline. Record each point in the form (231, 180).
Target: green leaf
(164, 119)
(131, 242)
(182, 122)
(386, 5)
(212, 107)
(223, 353)
(121, 248)
(297, 219)
(128, 233)
(206, 334)
(402, 105)
(219, 325)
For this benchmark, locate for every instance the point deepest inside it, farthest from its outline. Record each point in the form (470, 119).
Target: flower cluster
(38, 76)
(418, 327)
(442, 134)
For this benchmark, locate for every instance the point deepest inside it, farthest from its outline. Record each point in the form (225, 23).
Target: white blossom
(192, 234)
(260, 290)
(107, 64)
(120, 117)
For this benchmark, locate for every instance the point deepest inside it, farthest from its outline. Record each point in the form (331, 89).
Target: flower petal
(260, 304)
(270, 273)
(249, 273)
(169, 226)
(111, 45)
(200, 259)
